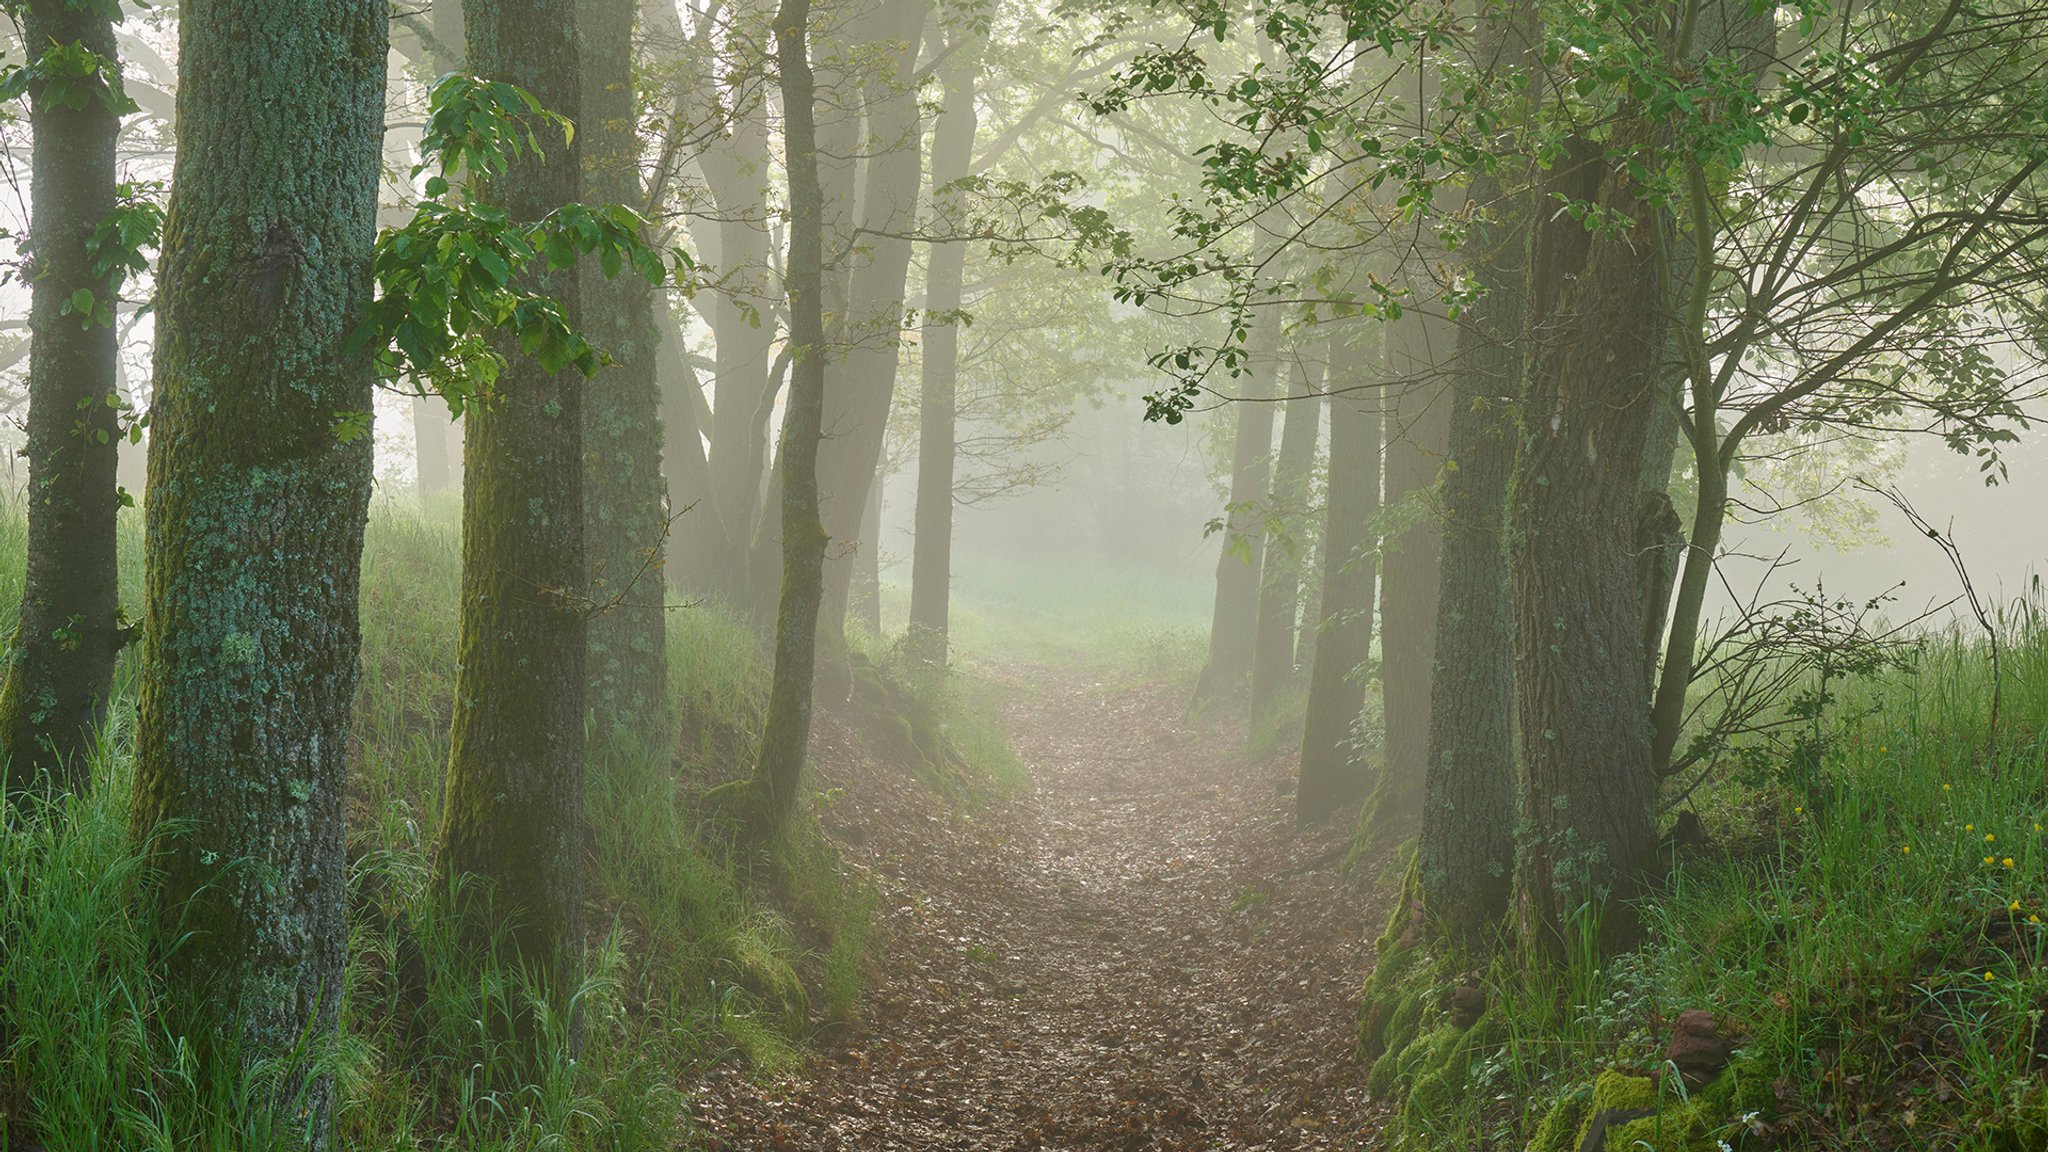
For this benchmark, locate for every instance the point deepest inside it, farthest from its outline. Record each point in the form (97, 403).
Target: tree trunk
(255, 521)
(60, 662)
(742, 315)
(865, 597)
(512, 814)
(864, 379)
(1233, 621)
(693, 550)
(931, 561)
(1287, 503)
(1411, 567)
(786, 730)
(1585, 733)
(431, 429)
(1465, 860)
(625, 528)
(1333, 780)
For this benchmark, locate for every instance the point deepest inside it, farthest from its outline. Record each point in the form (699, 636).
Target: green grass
(695, 955)
(1875, 933)
(1119, 622)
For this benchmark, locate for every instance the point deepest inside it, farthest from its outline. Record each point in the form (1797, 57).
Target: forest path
(1138, 954)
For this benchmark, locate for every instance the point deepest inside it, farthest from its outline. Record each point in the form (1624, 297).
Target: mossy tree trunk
(512, 814)
(1584, 728)
(624, 523)
(1412, 565)
(931, 559)
(1465, 860)
(255, 521)
(1233, 619)
(60, 662)
(1332, 777)
(1286, 502)
(786, 731)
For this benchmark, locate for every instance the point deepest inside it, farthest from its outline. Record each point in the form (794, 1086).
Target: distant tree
(884, 48)
(60, 660)
(260, 476)
(625, 522)
(1285, 507)
(786, 730)
(938, 397)
(1418, 345)
(1333, 779)
(1233, 621)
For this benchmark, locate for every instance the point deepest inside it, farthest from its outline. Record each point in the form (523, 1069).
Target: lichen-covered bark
(786, 730)
(1332, 778)
(1584, 727)
(512, 814)
(1234, 615)
(1280, 586)
(60, 662)
(255, 518)
(625, 525)
(931, 560)
(1418, 346)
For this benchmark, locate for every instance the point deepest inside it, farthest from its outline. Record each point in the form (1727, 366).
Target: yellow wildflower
(2007, 861)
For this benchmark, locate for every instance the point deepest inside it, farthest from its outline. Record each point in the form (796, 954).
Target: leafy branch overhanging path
(1140, 955)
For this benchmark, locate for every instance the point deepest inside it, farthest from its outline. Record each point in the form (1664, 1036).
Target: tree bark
(1233, 620)
(1411, 566)
(931, 560)
(254, 526)
(512, 813)
(1584, 731)
(1287, 502)
(1465, 860)
(60, 661)
(1333, 779)
(625, 525)
(786, 730)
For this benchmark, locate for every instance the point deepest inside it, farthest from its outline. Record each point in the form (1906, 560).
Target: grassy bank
(694, 957)
(1867, 928)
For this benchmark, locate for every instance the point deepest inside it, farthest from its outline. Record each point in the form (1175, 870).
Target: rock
(1467, 1005)
(1698, 1049)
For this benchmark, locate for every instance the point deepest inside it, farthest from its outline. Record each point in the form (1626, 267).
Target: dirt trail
(1139, 955)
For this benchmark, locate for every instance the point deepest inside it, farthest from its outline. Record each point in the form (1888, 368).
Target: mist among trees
(954, 574)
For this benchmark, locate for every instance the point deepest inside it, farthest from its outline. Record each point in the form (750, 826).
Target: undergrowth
(1867, 927)
(696, 953)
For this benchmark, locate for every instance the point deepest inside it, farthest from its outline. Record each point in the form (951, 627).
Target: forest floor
(1136, 953)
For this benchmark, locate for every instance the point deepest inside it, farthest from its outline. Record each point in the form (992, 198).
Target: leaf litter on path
(1139, 954)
